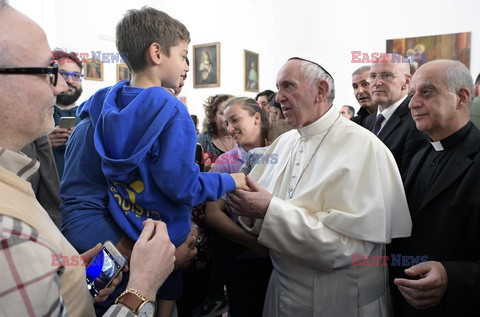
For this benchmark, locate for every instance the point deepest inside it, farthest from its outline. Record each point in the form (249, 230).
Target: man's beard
(67, 99)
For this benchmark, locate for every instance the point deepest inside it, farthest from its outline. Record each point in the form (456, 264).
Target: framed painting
(206, 65)
(250, 71)
(93, 69)
(419, 50)
(122, 72)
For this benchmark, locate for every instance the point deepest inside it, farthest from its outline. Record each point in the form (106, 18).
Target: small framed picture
(93, 69)
(206, 65)
(122, 72)
(251, 78)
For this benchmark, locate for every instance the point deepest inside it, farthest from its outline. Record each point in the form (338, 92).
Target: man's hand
(253, 204)
(104, 293)
(187, 250)
(429, 289)
(153, 259)
(59, 136)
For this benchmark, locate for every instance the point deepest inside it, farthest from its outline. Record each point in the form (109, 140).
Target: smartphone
(105, 266)
(67, 122)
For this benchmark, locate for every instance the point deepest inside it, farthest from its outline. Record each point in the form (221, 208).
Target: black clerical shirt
(433, 165)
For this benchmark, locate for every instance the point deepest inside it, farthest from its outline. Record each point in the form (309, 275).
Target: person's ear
(464, 97)
(258, 118)
(322, 90)
(476, 91)
(408, 79)
(154, 54)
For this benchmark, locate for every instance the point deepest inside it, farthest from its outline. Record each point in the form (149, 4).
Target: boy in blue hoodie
(132, 156)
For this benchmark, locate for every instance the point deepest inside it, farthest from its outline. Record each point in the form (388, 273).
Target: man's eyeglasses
(385, 76)
(76, 76)
(51, 70)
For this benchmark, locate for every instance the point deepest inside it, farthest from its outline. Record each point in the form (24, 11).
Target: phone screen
(102, 270)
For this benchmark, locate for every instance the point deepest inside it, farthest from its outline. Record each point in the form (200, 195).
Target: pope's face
(297, 95)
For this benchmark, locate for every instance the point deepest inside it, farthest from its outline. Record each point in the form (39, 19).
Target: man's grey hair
(3, 4)
(362, 69)
(314, 73)
(458, 76)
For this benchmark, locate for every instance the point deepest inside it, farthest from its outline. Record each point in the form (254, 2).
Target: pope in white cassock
(335, 194)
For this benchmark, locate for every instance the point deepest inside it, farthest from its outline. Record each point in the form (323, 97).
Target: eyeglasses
(51, 70)
(76, 76)
(385, 76)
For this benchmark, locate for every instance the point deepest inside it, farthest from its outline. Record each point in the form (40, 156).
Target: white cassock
(337, 192)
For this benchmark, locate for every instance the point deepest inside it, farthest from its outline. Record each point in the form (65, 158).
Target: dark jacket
(401, 136)
(446, 228)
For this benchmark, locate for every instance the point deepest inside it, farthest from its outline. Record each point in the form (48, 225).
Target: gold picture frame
(251, 75)
(123, 73)
(93, 69)
(206, 65)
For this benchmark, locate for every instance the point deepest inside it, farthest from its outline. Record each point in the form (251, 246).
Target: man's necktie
(378, 123)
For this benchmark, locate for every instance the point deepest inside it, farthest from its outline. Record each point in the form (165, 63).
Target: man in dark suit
(442, 187)
(392, 122)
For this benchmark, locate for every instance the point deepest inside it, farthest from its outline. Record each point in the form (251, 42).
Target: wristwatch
(137, 303)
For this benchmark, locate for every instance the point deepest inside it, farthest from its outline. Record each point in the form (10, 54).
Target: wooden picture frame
(123, 73)
(93, 69)
(206, 65)
(251, 76)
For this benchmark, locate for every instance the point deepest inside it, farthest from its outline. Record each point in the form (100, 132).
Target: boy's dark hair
(61, 56)
(140, 28)
(211, 108)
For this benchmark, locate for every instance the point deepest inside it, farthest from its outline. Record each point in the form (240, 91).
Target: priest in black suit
(392, 122)
(443, 193)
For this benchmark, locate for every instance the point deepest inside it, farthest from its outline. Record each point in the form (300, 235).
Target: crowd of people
(284, 205)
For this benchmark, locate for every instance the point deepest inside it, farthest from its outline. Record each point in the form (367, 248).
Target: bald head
(389, 80)
(26, 105)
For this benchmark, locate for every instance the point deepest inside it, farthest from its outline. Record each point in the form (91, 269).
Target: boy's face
(175, 67)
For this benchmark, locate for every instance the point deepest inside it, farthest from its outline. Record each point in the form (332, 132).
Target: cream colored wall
(276, 29)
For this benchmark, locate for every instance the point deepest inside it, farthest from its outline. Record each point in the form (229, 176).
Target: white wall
(276, 29)
(336, 28)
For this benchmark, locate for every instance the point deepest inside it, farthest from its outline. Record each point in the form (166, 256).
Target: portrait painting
(122, 72)
(251, 71)
(206, 65)
(419, 50)
(93, 69)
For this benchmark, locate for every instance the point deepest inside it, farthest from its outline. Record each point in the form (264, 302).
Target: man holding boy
(32, 284)
(135, 148)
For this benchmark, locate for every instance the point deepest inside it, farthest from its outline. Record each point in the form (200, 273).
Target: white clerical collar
(321, 125)
(437, 145)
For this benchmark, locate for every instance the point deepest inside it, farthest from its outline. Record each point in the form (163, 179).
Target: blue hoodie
(146, 140)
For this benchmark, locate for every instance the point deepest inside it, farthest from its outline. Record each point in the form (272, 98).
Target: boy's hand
(240, 181)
